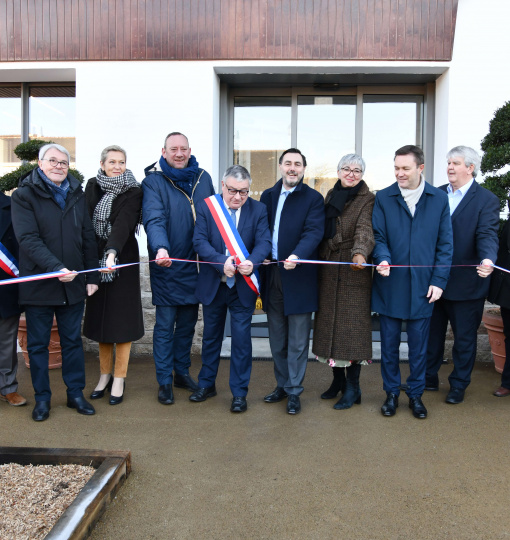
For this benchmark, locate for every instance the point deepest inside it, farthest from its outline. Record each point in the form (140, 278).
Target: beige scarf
(412, 196)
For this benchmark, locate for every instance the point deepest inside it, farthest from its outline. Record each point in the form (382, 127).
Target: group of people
(433, 250)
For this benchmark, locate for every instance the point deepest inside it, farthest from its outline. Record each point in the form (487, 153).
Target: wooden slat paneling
(227, 29)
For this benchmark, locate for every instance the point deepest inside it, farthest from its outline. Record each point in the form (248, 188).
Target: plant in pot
(28, 152)
(495, 163)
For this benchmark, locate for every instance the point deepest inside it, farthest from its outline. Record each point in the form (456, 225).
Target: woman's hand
(358, 261)
(110, 261)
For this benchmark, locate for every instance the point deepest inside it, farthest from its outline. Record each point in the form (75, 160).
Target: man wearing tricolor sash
(232, 233)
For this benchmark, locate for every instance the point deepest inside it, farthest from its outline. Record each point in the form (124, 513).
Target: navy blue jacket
(475, 225)
(8, 293)
(300, 233)
(51, 239)
(169, 220)
(254, 230)
(425, 239)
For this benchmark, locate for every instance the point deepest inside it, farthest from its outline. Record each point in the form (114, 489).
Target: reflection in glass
(52, 116)
(262, 131)
(10, 127)
(389, 122)
(326, 127)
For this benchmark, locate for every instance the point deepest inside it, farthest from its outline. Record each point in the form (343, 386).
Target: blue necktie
(231, 281)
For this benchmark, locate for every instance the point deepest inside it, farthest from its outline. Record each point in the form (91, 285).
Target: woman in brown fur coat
(342, 333)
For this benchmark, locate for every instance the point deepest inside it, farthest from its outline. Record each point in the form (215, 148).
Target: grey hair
(352, 159)
(470, 156)
(112, 148)
(238, 173)
(46, 147)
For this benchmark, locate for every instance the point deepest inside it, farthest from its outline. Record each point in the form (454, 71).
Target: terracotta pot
(55, 360)
(494, 324)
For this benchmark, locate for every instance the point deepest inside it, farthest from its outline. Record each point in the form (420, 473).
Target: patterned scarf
(112, 186)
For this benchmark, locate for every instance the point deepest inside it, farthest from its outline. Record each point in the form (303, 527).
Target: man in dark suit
(289, 289)
(475, 216)
(232, 282)
(9, 308)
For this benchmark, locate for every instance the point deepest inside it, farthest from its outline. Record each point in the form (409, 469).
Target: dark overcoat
(8, 293)
(300, 233)
(114, 312)
(424, 241)
(51, 239)
(343, 324)
(208, 243)
(475, 224)
(499, 292)
(169, 221)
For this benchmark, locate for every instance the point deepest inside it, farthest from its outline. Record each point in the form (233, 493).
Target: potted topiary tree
(495, 162)
(28, 152)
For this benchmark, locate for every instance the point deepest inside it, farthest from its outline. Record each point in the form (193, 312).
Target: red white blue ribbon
(231, 236)
(8, 262)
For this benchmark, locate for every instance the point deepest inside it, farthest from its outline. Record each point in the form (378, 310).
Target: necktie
(232, 280)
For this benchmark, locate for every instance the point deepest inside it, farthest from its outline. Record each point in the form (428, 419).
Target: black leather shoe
(416, 405)
(81, 405)
(293, 404)
(115, 400)
(278, 394)
(389, 407)
(431, 388)
(238, 404)
(41, 411)
(185, 381)
(166, 394)
(203, 393)
(455, 396)
(97, 394)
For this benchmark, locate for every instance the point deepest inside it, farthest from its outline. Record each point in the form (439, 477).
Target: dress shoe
(41, 411)
(431, 387)
(166, 394)
(185, 381)
(81, 405)
(293, 404)
(389, 407)
(238, 404)
(97, 394)
(14, 399)
(203, 393)
(455, 396)
(278, 394)
(416, 405)
(500, 392)
(115, 400)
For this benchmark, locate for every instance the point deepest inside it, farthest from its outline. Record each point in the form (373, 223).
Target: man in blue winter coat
(171, 189)
(412, 228)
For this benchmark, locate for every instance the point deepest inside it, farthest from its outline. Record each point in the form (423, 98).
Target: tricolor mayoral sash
(7, 262)
(231, 236)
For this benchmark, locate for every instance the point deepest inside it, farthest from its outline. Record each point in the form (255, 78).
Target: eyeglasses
(54, 162)
(355, 172)
(242, 192)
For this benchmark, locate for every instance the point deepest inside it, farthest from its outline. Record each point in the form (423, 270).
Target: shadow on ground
(200, 471)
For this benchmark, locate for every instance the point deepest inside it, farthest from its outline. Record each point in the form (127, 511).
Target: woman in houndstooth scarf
(114, 315)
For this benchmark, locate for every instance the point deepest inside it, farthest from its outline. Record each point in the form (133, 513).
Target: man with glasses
(232, 232)
(172, 188)
(289, 290)
(55, 234)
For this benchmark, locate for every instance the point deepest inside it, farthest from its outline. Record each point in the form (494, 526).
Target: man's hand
(165, 258)
(358, 261)
(383, 269)
(228, 268)
(245, 268)
(91, 289)
(266, 262)
(290, 265)
(434, 293)
(110, 261)
(71, 275)
(485, 269)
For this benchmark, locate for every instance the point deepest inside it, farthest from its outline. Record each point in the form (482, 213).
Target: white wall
(478, 81)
